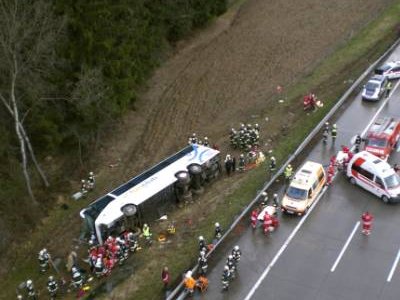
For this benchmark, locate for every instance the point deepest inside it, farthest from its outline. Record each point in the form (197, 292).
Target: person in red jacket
(267, 223)
(367, 219)
(253, 218)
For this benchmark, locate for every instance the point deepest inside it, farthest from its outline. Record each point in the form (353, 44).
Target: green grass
(327, 79)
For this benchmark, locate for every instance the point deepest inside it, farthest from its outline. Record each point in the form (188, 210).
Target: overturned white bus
(151, 194)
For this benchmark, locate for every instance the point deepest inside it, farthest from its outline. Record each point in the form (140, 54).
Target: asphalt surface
(304, 269)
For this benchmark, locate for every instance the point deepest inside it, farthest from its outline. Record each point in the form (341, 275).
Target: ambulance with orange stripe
(375, 175)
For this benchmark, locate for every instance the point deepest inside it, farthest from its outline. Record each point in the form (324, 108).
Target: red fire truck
(382, 137)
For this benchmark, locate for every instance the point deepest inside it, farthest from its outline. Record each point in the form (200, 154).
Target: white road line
(394, 266)
(345, 247)
(284, 246)
(380, 109)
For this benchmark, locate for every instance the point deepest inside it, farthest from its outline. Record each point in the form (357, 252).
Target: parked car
(374, 175)
(390, 70)
(304, 188)
(375, 88)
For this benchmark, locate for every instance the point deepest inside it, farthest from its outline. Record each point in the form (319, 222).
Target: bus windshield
(296, 193)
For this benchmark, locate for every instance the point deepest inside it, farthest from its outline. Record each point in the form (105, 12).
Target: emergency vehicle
(382, 137)
(304, 188)
(374, 175)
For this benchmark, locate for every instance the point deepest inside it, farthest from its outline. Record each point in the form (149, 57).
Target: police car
(375, 88)
(374, 175)
(390, 70)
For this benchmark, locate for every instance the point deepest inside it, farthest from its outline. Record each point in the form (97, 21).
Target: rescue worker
(232, 137)
(233, 163)
(325, 134)
(77, 279)
(202, 244)
(334, 133)
(206, 142)
(44, 259)
(218, 231)
(257, 128)
(190, 283)
(84, 187)
(267, 222)
(99, 268)
(228, 164)
(146, 233)
(264, 200)
(326, 128)
(357, 143)
(275, 200)
(30, 290)
(253, 218)
(226, 277)
(52, 287)
(272, 164)
(236, 253)
(396, 168)
(202, 283)
(132, 241)
(367, 219)
(242, 162)
(231, 263)
(165, 277)
(203, 264)
(388, 89)
(90, 181)
(288, 172)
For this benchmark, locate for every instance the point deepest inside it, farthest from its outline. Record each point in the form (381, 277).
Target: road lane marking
(380, 109)
(284, 246)
(394, 266)
(345, 247)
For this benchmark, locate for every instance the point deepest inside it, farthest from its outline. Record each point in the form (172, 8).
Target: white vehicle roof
(372, 164)
(305, 177)
(149, 187)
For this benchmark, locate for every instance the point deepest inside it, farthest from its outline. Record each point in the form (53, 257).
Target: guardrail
(300, 148)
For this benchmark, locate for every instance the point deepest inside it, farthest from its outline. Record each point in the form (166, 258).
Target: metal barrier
(300, 148)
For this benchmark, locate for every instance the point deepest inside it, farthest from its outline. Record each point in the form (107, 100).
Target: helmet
(275, 195)
(188, 274)
(248, 125)
(51, 278)
(29, 282)
(206, 138)
(230, 257)
(83, 180)
(334, 126)
(202, 253)
(194, 134)
(326, 123)
(241, 125)
(74, 269)
(289, 165)
(91, 173)
(256, 125)
(217, 224)
(264, 194)
(236, 248)
(201, 238)
(241, 155)
(226, 268)
(145, 225)
(272, 158)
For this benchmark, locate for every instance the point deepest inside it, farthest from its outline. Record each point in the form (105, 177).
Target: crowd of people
(246, 137)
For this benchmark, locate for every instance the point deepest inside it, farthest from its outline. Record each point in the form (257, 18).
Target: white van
(304, 188)
(375, 175)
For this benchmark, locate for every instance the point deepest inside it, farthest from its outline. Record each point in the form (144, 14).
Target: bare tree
(28, 33)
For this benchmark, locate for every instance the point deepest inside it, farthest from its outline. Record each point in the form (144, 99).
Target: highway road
(307, 258)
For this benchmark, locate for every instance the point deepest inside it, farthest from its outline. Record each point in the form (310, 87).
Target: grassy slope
(327, 80)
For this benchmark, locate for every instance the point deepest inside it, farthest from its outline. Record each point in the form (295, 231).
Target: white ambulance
(375, 175)
(304, 188)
